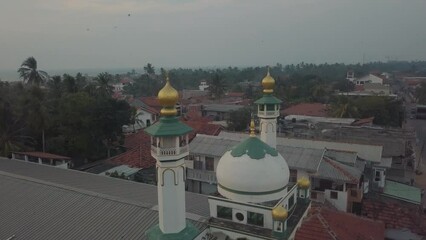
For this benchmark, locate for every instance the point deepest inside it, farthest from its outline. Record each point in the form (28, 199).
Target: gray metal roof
(301, 158)
(222, 107)
(297, 158)
(333, 170)
(211, 145)
(342, 156)
(44, 202)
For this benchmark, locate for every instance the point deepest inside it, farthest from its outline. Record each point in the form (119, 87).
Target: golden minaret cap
(303, 183)
(279, 213)
(168, 97)
(252, 129)
(268, 83)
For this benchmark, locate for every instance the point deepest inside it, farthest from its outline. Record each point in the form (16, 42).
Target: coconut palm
(29, 73)
(217, 86)
(103, 87)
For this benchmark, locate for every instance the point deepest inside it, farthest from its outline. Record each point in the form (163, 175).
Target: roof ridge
(335, 164)
(74, 189)
(326, 226)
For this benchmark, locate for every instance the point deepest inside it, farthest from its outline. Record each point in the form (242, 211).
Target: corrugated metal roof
(298, 158)
(211, 145)
(222, 107)
(139, 193)
(342, 156)
(333, 170)
(301, 158)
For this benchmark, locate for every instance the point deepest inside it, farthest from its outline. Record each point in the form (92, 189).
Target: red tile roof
(44, 155)
(235, 94)
(395, 215)
(363, 122)
(138, 152)
(138, 145)
(325, 224)
(203, 127)
(359, 88)
(152, 102)
(306, 109)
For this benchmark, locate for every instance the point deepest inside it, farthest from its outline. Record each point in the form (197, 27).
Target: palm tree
(103, 84)
(344, 108)
(29, 74)
(134, 118)
(149, 69)
(217, 86)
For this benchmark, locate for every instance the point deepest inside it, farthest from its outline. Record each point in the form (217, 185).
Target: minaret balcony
(167, 154)
(268, 114)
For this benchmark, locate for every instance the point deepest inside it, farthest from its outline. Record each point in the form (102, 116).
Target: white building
(370, 78)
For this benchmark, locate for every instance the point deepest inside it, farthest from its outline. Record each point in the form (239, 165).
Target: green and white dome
(252, 171)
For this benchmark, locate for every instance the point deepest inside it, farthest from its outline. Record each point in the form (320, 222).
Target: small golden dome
(252, 129)
(168, 97)
(279, 213)
(268, 83)
(303, 183)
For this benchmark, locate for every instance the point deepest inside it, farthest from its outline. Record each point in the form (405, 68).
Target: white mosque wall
(241, 208)
(235, 235)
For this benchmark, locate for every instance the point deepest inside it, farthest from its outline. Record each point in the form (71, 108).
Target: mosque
(254, 199)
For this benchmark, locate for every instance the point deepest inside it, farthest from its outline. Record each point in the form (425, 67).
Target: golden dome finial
(268, 83)
(252, 128)
(279, 213)
(168, 97)
(303, 183)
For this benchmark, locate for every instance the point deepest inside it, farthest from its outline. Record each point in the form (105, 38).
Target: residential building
(219, 112)
(370, 78)
(44, 158)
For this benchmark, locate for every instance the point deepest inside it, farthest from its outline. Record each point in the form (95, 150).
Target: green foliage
(216, 86)
(29, 73)
(421, 94)
(386, 111)
(72, 120)
(240, 119)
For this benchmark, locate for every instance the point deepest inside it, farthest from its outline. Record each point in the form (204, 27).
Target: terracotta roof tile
(44, 155)
(138, 152)
(325, 224)
(306, 109)
(395, 215)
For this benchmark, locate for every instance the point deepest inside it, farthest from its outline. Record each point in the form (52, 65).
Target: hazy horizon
(91, 34)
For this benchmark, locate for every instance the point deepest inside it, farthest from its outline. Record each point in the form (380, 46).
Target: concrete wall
(341, 202)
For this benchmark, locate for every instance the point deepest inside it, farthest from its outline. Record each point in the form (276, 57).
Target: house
(44, 158)
(307, 109)
(219, 112)
(370, 78)
(336, 175)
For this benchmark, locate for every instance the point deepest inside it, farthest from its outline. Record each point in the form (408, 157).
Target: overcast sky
(70, 34)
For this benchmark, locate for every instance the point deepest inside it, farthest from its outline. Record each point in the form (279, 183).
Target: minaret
(268, 111)
(169, 146)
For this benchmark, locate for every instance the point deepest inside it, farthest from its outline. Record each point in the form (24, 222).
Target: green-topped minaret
(169, 146)
(268, 110)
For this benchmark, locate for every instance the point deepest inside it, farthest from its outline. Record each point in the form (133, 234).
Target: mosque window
(209, 164)
(239, 216)
(291, 202)
(198, 165)
(224, 212)
(293, 175)
(255, 218)
(270, 107)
